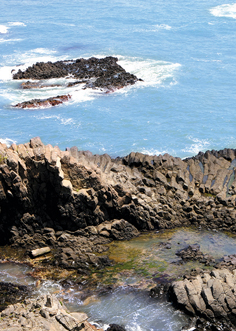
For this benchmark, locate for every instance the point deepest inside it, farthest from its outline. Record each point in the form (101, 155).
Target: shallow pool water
(133, 310)
(154, 256)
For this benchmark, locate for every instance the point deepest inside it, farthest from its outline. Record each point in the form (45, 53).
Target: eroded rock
(41, 314)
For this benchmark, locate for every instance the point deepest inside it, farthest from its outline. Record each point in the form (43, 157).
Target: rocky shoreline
(76, 203)
(104, 74)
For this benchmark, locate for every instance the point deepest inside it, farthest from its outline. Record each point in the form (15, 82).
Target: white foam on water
(152, 72)
(7, 141)
(24, 60)
(3, 29)
(198, 145)
(226, 10)
(59, 118)
(162, 27)
(152, 151)
(16, 24)
(5, 41)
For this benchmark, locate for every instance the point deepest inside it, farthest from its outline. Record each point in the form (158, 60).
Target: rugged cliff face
(45, 190)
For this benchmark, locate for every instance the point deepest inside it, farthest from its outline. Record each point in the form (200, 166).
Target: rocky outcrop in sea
(105, 74)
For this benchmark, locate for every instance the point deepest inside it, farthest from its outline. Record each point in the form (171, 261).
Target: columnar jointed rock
(212, 295)
(44, 191)
(43, 314)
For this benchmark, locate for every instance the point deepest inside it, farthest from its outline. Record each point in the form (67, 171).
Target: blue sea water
(183, 50)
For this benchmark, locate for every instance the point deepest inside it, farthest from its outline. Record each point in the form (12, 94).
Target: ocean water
(183, 50)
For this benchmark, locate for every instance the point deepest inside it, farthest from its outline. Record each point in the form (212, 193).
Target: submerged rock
(193, 253)
(115, 327)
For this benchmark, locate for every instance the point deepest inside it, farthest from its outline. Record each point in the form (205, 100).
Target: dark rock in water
(160, 291)
(192, 252)
(228, 261)
(94, 73)
(200, 324)
(37, 103)
(12, 293)
(115, 327)
(106, 73)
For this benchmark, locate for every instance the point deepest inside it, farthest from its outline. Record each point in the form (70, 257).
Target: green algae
(153, 255)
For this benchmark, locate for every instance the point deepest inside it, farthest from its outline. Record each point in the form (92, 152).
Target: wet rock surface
(192, 252)
(37, 103)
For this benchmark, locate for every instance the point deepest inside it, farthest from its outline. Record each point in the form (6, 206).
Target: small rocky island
(74, 204)
(93, 73)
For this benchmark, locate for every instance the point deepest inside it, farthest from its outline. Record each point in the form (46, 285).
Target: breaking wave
(226, 10)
